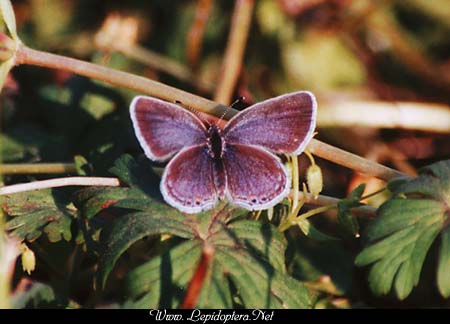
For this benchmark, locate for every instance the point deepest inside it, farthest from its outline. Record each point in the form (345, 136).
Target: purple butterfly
(236, 162)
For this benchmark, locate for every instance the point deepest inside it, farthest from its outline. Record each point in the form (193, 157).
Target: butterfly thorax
(215, 142)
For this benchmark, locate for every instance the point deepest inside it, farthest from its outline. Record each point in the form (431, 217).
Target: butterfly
(237, 162)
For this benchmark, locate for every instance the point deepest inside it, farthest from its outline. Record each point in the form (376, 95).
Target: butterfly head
(215, 142)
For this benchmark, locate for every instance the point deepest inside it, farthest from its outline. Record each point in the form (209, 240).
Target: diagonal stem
(26, 55)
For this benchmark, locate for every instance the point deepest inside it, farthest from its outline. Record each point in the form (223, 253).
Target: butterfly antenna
(194, 111)
(238, 100)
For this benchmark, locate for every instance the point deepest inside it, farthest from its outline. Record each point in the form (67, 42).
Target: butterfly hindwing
(163, 128)
(283, 124)
(256, 178)
(188, 182)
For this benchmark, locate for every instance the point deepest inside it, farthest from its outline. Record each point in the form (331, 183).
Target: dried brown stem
(35, 168)
(352, 161)
(26, 55)
(197, 30)
(234, 53)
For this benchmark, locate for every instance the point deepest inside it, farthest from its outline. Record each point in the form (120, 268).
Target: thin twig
(26, 55)
(352, 161)
(61, 182)
(232, 63)
(322, 200)
(37, 168)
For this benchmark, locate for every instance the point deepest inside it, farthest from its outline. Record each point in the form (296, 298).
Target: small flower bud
(314, 179)
(28, 259)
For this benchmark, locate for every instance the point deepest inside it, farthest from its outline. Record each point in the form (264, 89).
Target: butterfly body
(237, 162)
(215, 142)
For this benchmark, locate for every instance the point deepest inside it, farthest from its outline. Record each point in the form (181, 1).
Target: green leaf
(406, 226)
(327, 265)
(161, 282)
(312, 232)
(443, 276)
(247, 254)
(92, 200)
(82, 165)
(142, 183)
(39, 212)
(345, 217)
(160, 219)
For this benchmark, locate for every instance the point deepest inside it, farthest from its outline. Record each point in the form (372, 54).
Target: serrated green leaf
(90, 201)
(129, 170)
(259, 284)
(250, 254)
(163, 283)
(37, 212)
(313, 261)
(255, 236)
(216, 292)
(409, 273)
(129, 229)
(404, 230)
(398, 213)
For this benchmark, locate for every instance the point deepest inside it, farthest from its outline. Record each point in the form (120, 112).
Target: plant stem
(232, 63)
(322, 200)
(196, 283)
(36, 168)
(195, 35)
(352, 161)
(373, 194)
(26, 55)
(316, 211)
(295, 182)
(61, 182)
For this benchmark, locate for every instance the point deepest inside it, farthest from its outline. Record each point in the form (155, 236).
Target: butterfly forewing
(188, 182)
(163, 128)
(284, 124)
(256, 179)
